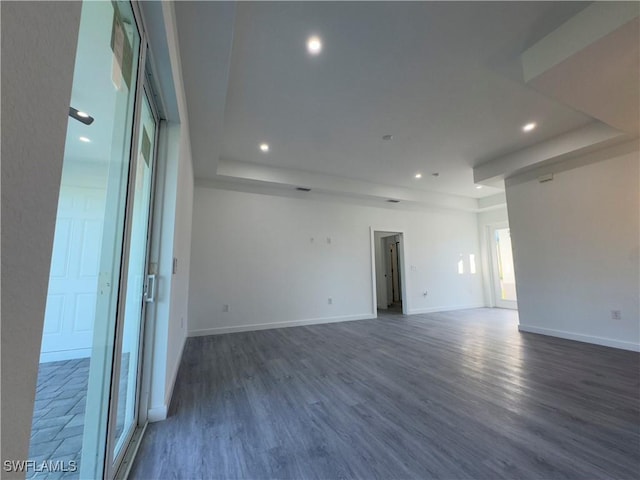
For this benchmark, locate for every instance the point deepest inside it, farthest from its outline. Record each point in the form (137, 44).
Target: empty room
(324, 240)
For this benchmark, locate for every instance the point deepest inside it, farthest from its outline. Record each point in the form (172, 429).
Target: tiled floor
(58, 416)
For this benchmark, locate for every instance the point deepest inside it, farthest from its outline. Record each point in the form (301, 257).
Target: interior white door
(71, 299)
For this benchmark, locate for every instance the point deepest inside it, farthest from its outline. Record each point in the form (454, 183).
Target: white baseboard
(174, 373)
(160, 412)
(607, 342)
(157, 414)
(267, 326)
(446, 308)
(46, 357)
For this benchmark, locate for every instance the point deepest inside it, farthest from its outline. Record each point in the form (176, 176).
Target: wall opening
(389, 285)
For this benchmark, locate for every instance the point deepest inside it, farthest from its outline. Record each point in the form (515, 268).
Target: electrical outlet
(330, 301)
(425, 293)
(616, 315)
(226, 308)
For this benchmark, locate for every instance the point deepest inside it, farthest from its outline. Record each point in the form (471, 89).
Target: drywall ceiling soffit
(582, 140)
(429, 73)
(205, 35)
(592, 63)
(289, 179)
(424, 72)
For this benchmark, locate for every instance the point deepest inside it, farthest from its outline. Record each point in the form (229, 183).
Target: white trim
(445, 308)
(404, 278)
(174, 375)
(268, 326)
(157, 414)
(579, 337)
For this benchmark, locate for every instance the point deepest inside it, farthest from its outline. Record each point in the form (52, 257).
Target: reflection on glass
(72, 395)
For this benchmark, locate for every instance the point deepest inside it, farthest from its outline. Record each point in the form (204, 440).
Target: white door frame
(403, 268)
(496, 299)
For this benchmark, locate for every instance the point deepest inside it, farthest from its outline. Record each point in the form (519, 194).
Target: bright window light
(472, 263)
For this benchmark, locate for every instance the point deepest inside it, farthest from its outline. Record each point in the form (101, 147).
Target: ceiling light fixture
(314, 45)
(529, 126)
(84, 139)
(418, 175)
(264, 147)
(478, 187)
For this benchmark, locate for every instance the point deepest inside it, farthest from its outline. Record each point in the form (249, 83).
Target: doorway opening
(503, 274)
(389, 281)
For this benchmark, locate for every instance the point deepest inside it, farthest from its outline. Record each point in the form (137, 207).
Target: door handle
(150, 289)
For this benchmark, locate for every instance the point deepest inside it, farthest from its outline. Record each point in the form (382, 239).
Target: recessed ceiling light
(314, 45)
(84, 139)
(387, 137)
(418, 175)
(83, 114)
(478, 187)
(264, 147)
(529, 126)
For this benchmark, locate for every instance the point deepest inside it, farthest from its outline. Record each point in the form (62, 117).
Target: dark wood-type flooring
(445, 395)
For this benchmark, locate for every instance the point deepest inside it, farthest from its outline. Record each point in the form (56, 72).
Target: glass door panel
(126, 417)
(504, 275)
(71, 411)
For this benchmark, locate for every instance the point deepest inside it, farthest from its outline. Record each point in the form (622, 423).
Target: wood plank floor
(449, 395)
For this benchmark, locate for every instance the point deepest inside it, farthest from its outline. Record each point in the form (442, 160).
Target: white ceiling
(443, 78)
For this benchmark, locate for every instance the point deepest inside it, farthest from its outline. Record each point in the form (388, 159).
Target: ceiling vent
(545, 178)
(393, 201)
(303, 189)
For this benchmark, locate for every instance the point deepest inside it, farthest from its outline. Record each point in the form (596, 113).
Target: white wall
(182, 253)
(497, 216)
(172, 229)
(37, 72)
(255, 253)
(575, 242)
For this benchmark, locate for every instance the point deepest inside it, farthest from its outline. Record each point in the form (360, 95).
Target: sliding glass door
(140, 286)
(88, 381)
